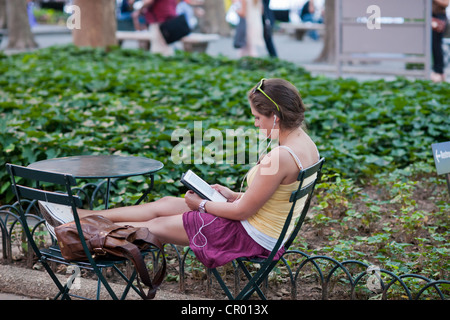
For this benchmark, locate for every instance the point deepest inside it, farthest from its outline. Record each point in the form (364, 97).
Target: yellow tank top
(271, 216)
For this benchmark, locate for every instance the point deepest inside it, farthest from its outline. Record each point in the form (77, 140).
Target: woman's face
(264, 123)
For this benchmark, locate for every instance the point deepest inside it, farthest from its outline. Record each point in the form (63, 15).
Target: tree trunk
(213, 20)
(19, 31)
(2, 14)
(97, 25)
(328, 54)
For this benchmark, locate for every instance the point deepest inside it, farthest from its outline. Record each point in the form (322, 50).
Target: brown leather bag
(104, 238)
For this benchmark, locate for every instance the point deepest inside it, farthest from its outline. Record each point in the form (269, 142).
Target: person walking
(157, 12)
(439, 24)
(268, 22)
(252, 11)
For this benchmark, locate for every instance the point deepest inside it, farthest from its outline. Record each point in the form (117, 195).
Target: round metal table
(102, 167)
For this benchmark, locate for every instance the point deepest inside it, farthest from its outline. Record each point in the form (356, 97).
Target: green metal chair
(267, 265)
(63, 184)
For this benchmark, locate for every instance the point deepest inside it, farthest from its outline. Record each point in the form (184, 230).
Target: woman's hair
(285, 95)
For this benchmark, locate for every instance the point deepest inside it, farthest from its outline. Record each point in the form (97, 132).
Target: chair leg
(252, 285)
(63, 290)
(99, 287)
(129, 281)
(64, 293)
(222, 283)
(208, 283)
(101, 279)
(237, 279)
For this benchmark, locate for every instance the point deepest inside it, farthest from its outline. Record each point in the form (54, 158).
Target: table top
(100, 166)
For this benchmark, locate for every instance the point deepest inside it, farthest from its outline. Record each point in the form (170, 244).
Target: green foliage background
(66, 101)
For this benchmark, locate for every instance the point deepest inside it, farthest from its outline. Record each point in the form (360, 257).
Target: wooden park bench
(142, 36)
(198, 42)
(300, 28)
(194, 42)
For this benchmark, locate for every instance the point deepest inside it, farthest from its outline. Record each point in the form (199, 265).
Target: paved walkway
(10, 296)
(17, 283)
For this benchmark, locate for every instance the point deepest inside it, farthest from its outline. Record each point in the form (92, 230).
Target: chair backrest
(24, 192)
(37, 177)
(304, 190)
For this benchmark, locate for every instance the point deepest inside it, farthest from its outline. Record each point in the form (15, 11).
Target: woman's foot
(437, 77)
(50, 229)
(55, 214)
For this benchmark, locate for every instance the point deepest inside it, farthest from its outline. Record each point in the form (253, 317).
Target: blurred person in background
(311, 12)
(251, 11)
(439, 24)
(157, 12)
(129, 10)
(184, 7)
(31, 17)
(268, 23)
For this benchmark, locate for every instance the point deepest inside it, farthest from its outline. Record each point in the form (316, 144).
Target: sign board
(441, 154)
(384, 30)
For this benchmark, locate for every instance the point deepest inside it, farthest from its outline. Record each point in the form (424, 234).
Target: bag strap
(104, 241)
(132, 252)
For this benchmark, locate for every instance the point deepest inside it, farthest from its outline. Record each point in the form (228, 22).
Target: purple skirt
(217, 241)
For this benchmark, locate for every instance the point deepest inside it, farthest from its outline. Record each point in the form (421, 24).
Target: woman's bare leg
(168, 229)
(163, 217)
(167, 206)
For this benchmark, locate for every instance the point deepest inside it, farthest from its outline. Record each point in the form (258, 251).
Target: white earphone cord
(262, 152)
(199, 232)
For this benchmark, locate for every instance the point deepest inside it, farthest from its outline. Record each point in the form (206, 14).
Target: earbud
(274, 119)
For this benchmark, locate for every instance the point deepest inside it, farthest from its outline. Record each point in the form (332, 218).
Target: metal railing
(355, 279)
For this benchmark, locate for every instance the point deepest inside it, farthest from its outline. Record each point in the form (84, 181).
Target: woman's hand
(226, 192)
(192, 200)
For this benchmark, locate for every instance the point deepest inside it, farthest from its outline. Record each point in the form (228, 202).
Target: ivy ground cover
(379, 199)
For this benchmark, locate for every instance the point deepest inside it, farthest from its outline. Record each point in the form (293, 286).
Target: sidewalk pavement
(17, 283)
(302, 53)
(10, 296)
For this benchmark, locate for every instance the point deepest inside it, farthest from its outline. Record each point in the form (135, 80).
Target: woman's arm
(241, 11)
(443, 3)
(227, 192)
(146, 4)
(273, 169)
